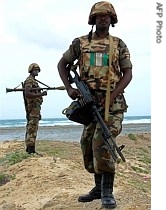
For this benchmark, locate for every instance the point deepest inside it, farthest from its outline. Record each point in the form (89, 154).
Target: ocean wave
(66, 122)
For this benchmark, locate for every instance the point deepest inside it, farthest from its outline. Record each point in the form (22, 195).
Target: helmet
(33, 66)
(102, 7)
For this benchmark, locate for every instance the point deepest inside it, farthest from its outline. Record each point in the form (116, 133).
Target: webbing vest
(31, 81)
(94, 62)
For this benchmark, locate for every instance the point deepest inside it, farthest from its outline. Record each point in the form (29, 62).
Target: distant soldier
(33, 100)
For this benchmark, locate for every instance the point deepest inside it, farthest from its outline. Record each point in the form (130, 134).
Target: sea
(62, 129)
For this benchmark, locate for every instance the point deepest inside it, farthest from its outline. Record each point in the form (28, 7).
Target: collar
(96, 36)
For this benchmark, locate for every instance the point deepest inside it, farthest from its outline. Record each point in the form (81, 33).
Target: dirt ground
(55, 180)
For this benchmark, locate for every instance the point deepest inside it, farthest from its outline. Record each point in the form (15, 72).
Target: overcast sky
(41, 30)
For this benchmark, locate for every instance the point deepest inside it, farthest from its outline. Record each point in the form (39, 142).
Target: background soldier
(102, 71)
(33, 101)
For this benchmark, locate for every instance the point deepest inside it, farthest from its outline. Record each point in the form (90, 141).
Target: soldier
(105, 66)
(33, 102)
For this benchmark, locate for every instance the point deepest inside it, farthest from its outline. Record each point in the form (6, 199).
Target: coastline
(66, 132)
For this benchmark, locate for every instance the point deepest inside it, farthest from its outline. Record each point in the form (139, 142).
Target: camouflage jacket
(32, 82)
(94, 65)
(94, 60)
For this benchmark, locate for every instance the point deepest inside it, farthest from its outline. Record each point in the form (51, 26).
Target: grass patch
(4, 178)
(64, 150)
(145, 159)
(13, 158)
(144, 187)
(139, 170)
(51, 149)
(144, 150)
(131, 136)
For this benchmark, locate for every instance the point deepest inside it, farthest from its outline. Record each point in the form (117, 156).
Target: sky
(41, 31)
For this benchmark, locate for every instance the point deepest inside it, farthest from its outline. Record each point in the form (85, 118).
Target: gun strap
(107, 100)
(42, 83)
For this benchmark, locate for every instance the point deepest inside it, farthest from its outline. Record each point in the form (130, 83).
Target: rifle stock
(87, 99)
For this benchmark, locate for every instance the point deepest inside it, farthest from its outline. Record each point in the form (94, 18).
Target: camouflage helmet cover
(33, 66)
(102, 7)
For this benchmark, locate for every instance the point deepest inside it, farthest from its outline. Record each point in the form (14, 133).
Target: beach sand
(55, 180)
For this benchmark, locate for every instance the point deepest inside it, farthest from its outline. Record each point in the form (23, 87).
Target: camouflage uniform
(93, 54)
(33, 107)
(96, 157)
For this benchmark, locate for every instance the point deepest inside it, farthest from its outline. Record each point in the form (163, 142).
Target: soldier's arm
(29, 93)
(125, 68)
(69, 57)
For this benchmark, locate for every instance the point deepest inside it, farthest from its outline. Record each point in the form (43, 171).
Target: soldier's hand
(44, 93)
(73, 93)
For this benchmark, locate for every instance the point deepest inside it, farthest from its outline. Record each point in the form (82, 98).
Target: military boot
(107, 198)
(30, 149)
(95, 193)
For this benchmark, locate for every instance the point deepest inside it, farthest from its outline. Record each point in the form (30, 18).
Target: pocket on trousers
(119, 104)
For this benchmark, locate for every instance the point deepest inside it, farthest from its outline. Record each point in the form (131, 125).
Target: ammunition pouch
(78, 113)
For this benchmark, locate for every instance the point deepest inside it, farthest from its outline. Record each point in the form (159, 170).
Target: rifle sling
(42, 83)
(107, 101)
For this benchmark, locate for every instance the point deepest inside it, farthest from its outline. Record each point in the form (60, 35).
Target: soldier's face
(103, 21)
(36, 72)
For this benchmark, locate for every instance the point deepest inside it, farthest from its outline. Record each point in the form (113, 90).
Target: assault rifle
(87, 99)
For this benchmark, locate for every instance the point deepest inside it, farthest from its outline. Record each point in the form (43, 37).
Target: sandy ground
(55, 180)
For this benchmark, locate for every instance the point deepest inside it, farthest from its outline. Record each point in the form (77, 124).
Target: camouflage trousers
(97, 158)
(31, 131)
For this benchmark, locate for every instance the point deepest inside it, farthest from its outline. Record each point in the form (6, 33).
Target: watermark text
(159, 22)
